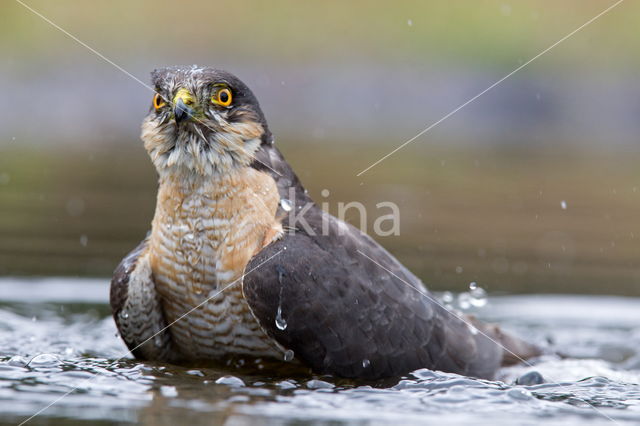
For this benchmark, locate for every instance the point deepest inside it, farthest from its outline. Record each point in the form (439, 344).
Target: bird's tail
(514, 349)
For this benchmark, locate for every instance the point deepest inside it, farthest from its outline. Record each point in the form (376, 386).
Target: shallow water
(495, 217)
(59, 344)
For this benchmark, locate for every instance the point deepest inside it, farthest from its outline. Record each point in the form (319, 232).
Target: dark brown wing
(345, 313)
(342, 314)
(136, 308)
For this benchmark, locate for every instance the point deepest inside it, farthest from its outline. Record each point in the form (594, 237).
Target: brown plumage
(219, 271)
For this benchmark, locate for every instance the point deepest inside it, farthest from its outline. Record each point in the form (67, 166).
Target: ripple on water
(73, 347)
(44, 361)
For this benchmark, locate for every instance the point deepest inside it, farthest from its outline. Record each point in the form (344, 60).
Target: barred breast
(203, 235)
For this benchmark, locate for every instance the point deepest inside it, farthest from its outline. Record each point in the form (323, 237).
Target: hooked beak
(181, 111)
(181, 105)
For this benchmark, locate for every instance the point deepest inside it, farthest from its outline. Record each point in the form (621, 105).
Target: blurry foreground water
(56, 336)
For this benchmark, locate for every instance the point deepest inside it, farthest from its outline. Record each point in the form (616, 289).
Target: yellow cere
(185, 95)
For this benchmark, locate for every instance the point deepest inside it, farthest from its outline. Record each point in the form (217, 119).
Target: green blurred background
(534, 187)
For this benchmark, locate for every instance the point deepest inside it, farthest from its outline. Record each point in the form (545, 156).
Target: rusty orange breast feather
(204, 233)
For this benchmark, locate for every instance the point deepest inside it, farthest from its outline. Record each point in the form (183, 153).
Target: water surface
(59, 343)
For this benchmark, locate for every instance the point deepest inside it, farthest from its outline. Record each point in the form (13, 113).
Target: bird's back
(352, 309)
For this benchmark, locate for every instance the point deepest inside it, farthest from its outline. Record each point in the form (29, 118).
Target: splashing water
(476, 297)
(286, 205)
(288, 355)
(281, 323)
(73, 346)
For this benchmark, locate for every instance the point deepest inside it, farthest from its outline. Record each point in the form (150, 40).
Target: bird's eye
(158, 101)
(222, 97)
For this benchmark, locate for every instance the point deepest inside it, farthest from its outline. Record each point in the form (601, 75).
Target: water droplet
(563, 204)
(232, 381)
(319, 384)
(286, 205)
(478, 296)
(464, 301)
(520, 394)
(17, 361)
(157, 341)
(286, 385)
(366, 363)
(169, 391)
(124, 314)
(288, 355)
(44, 360)
(473, 286)
(447, 297)
(281, 323)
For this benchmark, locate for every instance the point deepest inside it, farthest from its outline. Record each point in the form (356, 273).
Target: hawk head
(202, 121)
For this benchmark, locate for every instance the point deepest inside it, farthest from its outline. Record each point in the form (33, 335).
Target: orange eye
(222, 97)
(158, 102)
